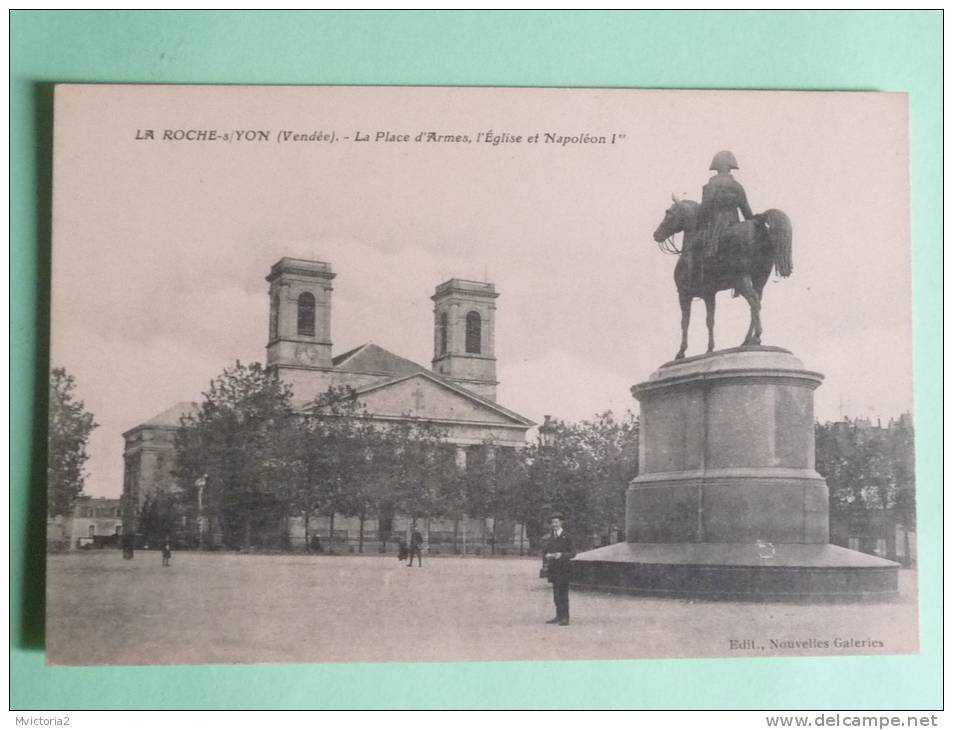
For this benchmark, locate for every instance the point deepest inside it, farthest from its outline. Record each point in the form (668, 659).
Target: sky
(161, 246)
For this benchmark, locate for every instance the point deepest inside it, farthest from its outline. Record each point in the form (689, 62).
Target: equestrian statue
(720, 251)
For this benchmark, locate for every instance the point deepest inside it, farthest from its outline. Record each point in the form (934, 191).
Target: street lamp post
(547, 441)
(200, 486)
(547, 432)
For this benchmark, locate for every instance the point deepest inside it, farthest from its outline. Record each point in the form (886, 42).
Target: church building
(457, 394)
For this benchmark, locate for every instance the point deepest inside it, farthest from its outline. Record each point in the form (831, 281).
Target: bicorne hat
(724, 160)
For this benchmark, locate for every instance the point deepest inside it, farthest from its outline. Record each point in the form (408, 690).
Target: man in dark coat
(558, 551)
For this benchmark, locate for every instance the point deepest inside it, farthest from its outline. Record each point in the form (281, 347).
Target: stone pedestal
(727, 500)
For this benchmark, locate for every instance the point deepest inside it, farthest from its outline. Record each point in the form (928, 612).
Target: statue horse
(742, 261)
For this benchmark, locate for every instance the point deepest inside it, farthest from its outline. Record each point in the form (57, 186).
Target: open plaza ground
(229, 608)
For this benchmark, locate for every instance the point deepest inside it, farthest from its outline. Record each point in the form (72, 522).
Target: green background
(857, 50)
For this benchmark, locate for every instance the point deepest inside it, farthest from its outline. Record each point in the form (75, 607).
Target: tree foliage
(70, 425)
(585, 474)
(160, 519)
(232, 444)
(328, 459)
(868, 466)
(419, 473)
(262, 464)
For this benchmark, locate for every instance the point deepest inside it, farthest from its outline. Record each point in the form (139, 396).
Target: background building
(94, 522)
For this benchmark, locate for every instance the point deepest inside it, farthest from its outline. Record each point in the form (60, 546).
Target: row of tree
(250, 462)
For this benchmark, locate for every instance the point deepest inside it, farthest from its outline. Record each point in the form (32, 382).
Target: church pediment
(422, 395)
(371, 358)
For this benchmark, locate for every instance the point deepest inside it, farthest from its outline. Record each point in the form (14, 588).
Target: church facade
(457, 393)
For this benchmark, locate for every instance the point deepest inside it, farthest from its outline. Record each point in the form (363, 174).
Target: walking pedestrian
(416, 548)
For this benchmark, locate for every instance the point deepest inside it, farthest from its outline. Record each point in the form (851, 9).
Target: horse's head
(679, 217)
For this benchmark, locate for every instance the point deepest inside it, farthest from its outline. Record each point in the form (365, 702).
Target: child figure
(166, 554)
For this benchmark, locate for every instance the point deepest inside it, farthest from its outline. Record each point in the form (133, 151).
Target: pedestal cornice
(763, 365)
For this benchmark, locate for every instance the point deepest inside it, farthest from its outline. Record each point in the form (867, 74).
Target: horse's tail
(779, 235)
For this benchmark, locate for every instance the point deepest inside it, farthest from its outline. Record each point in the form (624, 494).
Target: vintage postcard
(397, 374)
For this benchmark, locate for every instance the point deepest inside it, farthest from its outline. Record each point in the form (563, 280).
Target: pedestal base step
(752, 571)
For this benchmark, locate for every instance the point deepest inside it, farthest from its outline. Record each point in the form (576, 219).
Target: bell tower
(299, 329)
(464, 335)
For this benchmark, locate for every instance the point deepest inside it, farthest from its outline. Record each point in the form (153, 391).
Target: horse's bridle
(669, 246)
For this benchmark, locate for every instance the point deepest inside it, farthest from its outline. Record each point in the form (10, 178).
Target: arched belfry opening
(306, 314)
(474, 333)
(442, 334)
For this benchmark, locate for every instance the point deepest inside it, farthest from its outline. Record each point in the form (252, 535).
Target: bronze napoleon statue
(722, 251)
